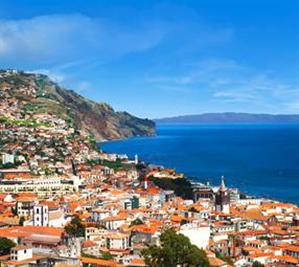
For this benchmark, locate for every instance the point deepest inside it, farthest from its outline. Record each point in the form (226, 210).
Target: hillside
(34, 94)
(231, 117)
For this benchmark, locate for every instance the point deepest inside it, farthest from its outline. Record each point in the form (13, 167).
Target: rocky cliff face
(37, 94)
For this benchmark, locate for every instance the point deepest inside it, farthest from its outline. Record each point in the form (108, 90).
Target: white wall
(198, 236)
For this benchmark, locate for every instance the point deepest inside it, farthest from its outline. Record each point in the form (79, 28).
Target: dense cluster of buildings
(64, 203)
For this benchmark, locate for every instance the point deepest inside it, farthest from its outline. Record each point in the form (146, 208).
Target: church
(222, 198)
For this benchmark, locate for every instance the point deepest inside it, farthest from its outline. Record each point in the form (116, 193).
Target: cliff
(37, 94)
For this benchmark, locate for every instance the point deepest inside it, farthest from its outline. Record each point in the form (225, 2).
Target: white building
(117, 241)
(25, 206)
(113, 222)
(40, 215)
(8, 158)
(198, 235)
(57, 218)
(21, 253)
(44, 187)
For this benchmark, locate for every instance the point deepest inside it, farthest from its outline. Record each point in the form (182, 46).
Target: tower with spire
(136, 159)
(145, 184)
(222, 200)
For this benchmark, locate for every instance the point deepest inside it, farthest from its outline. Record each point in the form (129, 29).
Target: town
(64, 202)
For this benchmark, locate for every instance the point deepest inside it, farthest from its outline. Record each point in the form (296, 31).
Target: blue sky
(161, 58)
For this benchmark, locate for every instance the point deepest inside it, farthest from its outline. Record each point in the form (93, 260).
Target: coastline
(195, 181)
(125, 142)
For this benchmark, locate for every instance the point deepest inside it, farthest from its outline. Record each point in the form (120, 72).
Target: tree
(21, 221)
(181, 186)
(5, 246)
(192, 209)
(85, 255)
(257, 264)
(75, 227)
(106, 255)
(224, 258)
(136, 222)
(176, 249)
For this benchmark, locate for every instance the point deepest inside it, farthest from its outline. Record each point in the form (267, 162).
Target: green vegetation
(85, 255)
(257, 264)
(4, 119)
(243, 196)
(48, 171)
(40, 84)
(245, 252)
(181, 186)
(136, 222)
(266, 238)
(75, 228)
(175, 250)
(5, 246)
(92, 141)
(31, 107)
(70, 119)
(78, 112)
(224, 258)
(192, 209)
(31, 123)
(21, 221)
(9, 165)
(106, 255)
(115, 165)
(140, 166)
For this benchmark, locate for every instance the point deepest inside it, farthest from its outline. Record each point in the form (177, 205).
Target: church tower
(136, 159)
(222, 200)
(40, 215)
(145, 185)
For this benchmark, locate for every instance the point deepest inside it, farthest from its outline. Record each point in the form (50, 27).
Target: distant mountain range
(231, 117)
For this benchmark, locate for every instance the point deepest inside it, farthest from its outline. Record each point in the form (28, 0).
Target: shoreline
(191, 179)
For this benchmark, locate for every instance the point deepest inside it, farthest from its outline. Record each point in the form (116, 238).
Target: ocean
(259, 159)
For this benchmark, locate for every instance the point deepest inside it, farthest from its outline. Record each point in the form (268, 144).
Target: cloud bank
(57, 39)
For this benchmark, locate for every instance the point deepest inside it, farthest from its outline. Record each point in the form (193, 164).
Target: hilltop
(231, 117)
(35, 94)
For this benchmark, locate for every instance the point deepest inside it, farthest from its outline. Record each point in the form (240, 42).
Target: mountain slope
(37, 94)
(231, 117)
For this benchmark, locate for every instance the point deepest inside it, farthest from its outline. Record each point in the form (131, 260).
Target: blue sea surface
(259, 159)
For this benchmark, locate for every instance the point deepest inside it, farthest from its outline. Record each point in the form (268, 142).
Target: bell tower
(136, 159)
(222, 200)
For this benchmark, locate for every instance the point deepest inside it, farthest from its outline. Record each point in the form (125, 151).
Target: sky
(161, 58)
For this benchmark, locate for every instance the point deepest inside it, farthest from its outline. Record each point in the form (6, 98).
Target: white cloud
(56, 39)
(226, 80)
(54, 76)
(233, 96)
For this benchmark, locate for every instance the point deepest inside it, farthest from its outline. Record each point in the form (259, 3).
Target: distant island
(232, 117)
